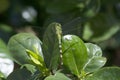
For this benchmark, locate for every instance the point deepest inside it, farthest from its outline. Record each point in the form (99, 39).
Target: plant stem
(44, 70)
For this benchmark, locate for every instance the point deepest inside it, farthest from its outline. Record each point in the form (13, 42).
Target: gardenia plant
(58, 57)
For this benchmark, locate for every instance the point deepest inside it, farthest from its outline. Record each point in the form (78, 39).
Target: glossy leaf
(38, 61)
(108, 73)
(6, 64)
(18, 45)
(51, 41)
(36, 58)
(95, 59)
(57, 76)
(74, 54)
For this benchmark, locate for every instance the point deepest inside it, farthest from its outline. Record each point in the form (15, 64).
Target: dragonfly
(72, 27)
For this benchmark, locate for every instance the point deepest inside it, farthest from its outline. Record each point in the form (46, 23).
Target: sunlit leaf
(22, 41)
(6, 64)
(36, 58)
(74, 54)
(95, 59)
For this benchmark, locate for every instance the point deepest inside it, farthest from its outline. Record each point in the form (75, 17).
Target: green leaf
(36, 58)
(95, 59)
(2, 75)
(113, 30)
(108, 73)
(18, 45)
(51, 48)
(30, 68)
(5, 28)
(87, 32)
(57, 76)
(5, 60)
(38, 61)
(6, 65)
(20, 74)
(74, 54)
(3, 48)
(108, 26)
